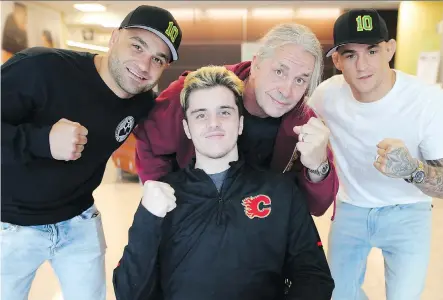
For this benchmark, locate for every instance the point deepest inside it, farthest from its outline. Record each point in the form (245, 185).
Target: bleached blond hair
(208, 77)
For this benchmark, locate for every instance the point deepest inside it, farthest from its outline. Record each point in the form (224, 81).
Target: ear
(114, 37)
(391, 47)
(186, 128)
(240, 126)
(336, 60)
(254, 65)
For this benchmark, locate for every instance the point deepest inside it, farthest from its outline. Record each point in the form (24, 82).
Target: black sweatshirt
(39, 87)
(240, 243)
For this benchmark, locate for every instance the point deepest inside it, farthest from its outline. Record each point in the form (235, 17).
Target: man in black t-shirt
(63, 114)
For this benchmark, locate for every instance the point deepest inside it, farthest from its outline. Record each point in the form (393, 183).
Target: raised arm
(395, 160)
(137, 274)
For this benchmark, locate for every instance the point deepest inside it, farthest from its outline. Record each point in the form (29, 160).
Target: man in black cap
(63, 114)
(386, 136)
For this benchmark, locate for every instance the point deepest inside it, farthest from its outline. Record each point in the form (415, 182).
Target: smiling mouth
(278, 102)
(215, 135)
(365, 77)
(137, 76)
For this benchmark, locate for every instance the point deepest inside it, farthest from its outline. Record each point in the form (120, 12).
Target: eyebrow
(349, 51)
(204, 109)
(373, 46)
(145, 45)
(226, 107)
(198, 110)
(282, 65)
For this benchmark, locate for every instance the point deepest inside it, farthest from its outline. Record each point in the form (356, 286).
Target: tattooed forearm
(433, 183)
(394, 160)
(435, 163)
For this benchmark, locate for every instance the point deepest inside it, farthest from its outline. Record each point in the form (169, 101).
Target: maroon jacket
(161, 140)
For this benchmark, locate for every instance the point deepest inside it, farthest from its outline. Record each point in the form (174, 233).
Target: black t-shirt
(40, 86)
(258, 139)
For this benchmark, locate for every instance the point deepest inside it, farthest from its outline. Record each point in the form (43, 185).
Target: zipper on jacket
(219, 209)
(220, 203)
(219, 200)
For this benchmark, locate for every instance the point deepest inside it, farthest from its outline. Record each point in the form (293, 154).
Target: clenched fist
(313, 140)
(158, 198)
(67, 140)
(394, 160)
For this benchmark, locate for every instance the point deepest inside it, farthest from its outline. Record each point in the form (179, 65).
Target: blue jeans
(402, 232)
(75, 248)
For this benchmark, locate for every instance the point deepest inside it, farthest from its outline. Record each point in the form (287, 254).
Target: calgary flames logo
(252, 206)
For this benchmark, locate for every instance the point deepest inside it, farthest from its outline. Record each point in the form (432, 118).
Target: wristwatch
(418, 175)
(322, 170)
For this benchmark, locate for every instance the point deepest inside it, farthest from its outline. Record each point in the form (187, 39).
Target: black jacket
(241, 243)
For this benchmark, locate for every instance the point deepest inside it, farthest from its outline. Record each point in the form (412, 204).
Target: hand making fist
(313, 140)
(158, 198)
(67, 140)
(394, 160)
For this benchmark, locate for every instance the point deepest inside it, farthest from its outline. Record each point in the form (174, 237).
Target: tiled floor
(118, 202)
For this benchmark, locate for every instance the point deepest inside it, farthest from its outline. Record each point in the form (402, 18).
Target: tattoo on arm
(433, 183)
(435, 163)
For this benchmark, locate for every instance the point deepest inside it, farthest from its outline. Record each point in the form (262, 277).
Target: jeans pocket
(8, 227)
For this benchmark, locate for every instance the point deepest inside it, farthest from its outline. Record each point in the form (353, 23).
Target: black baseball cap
(158, 21)
(360, 26)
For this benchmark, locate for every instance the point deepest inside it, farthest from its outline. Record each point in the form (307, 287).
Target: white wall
(440, 29)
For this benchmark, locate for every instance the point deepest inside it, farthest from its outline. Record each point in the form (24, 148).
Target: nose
(285, 88)
(145, 64)
(213, 121)
(362, 62)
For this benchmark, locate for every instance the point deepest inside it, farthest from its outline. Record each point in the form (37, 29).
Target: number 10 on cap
(364, 23)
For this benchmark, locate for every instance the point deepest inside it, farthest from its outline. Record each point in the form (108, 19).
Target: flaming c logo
(257, 206)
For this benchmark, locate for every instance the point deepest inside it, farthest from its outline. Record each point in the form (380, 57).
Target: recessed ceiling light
(226, 13)
(110, 24)
(318, 13)
(89, 7)
(272, 13)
